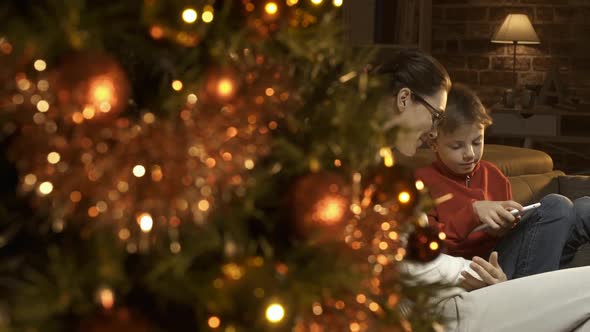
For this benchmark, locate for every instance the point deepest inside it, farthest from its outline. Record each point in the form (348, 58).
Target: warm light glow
(156, 32)
(393, 235)
(404, 197)
(88, 112)
(361, 298)
(45, 188)
(337, 3)
(207, 15)
(292, 2)
(75, 196)
(78, 117)
(139, 171)
(106, 297)
(271, 8)
(189, 15)
(317, 309)
(175, 247)
(124, 234)
(316, 2)
(383, 245)
(30, 179)
(204, 205)
(516, 28)
(275, 313)
(225, 87)
(419, 185)
(354, 327)
(330, 210)
(433, 246)
(249, 164)
(374, 306)
(53, 157)
(213, 322)
(177, 85)
(232, 271)
(192, 98)
(43, 106)
(442, 236)
(387, 155)
(40, 65)
(43, 85)
(145, 222)
(269, 92)
(23, 84)
(102, 91)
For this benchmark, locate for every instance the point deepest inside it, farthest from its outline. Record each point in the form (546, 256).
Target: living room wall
(462, 30)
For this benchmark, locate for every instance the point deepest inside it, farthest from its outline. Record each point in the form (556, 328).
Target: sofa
(531, 175)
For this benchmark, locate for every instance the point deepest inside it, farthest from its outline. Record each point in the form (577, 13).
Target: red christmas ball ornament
(321, 202)
(393, 188)
(424, 243)
(92, 86)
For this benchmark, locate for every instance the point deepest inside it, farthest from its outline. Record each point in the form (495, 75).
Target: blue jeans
(580, 232)
(536, 242)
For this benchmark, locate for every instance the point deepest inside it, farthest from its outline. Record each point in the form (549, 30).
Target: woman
(482, 299)
(419, 86)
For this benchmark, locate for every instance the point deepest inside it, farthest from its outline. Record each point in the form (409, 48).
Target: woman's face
(416, 118)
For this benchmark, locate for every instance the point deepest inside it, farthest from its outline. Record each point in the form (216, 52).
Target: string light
(275, 313)
(102, 92)
(337, 3)
(145, 222)
(207, 15)
(43, 106)
(53, 157)
(177, 85)
(317, 2)
(419, 185)
(214, 322)
(433, 246)
(404, 197)
(139, 171)
(45, 188)
(271, 8)
(189, 15)
(225, 87)
(156, 32)
(40, 65)
(106, 298)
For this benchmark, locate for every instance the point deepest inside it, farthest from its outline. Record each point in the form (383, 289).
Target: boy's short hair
(463, 107)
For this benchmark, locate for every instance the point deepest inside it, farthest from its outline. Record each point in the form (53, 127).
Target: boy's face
(462, 149)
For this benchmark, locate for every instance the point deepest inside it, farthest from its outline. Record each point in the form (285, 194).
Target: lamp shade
(516, 28)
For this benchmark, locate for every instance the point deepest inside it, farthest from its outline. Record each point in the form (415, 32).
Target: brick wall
(461, 35)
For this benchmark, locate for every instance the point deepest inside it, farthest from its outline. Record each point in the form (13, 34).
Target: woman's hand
(495, 214)
(490, 272)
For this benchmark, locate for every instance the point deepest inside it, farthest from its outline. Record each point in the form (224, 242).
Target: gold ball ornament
(321, 204)
(424, 243)
(92, 84)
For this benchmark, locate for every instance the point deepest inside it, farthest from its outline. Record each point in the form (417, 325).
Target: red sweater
(456, 217)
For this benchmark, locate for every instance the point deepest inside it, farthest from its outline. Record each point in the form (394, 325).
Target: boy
(482, 195)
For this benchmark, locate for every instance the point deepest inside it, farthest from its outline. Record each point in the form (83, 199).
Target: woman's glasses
(437, 115)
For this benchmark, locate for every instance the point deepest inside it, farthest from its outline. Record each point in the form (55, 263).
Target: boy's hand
(495, 214)
(490, 273)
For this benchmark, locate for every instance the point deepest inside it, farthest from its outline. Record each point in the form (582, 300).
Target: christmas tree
(200, 166)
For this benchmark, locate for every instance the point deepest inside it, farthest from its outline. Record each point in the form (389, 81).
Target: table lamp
(516, 29)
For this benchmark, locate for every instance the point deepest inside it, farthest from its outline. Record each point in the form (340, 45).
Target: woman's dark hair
(417, 71)
(463, 107)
